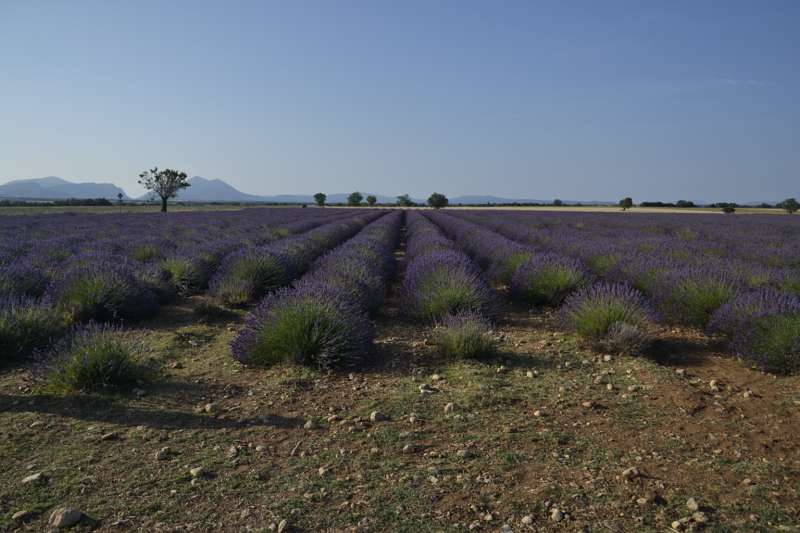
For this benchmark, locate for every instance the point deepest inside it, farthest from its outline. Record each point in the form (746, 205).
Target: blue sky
(578, 100)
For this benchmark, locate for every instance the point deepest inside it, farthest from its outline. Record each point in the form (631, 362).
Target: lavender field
(410, 362)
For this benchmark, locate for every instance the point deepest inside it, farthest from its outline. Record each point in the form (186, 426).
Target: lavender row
(36, 249)
(611, 316)
(443, 285)
(440, 279)
(534, 276)
(249, 273)
(323, 319)
(751, 302)
(45, 295)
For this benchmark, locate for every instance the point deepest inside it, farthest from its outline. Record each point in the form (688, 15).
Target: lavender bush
(95, 358)
(102, 290)
(606, 313)
(547, 279)
(26, 327)
(762, 326)
(322, 321)
(465, 335)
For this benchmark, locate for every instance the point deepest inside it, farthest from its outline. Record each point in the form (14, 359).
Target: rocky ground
(546, 437)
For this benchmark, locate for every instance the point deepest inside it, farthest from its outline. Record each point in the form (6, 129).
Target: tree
(355, 198)
(320, 198)
(438, 200)
(790, 205)
(626, 203)
(557, 202)
(684, 203)
(728, 209)
(405, 200)
(371, 200)
(165, 183)
(120, 196)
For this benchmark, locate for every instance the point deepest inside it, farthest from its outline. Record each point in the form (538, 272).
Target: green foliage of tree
(165, 183)
(371, 200)
(405, 200)
(684, 203)
(728, 209)
(557, 202)
(626, 203)
(790, 205)
(355, 198)
(438, 200)
(320, 198)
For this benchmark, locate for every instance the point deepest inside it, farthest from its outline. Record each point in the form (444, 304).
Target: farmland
(400, 370)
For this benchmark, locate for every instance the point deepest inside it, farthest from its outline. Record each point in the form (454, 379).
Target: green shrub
(465, 336)
(608, 313)
(26, 327)
(312, 325)
(248, 276)
(183, 274)
(96, 358)
(775, 343)
(146, 253)
(693, 301)
(547, 280)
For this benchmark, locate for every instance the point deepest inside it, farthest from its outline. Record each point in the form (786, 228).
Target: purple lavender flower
(547, 279)
(312, 324)
(598, 310)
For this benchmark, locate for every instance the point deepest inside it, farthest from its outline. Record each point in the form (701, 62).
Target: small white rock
(163, 454)
(692, 505)
(34, 478)
(377, 416)
(65, 517)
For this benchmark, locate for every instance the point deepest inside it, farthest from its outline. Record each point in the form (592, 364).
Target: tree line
(435, 200)
(168, 182)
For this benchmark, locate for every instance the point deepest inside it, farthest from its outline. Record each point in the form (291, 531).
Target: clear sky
(579, 100)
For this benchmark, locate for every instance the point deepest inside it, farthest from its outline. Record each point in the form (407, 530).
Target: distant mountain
(213, 190)
(54, 188)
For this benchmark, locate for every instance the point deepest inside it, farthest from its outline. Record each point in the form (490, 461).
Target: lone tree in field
(790, 205)
(438, 200)
(405, 200)
(355, 198)
(626, 203)
(557, 202)
(371, 200)
(165, 183)
(320, 198)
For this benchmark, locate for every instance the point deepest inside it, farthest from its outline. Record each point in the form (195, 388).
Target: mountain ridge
(55, 188)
